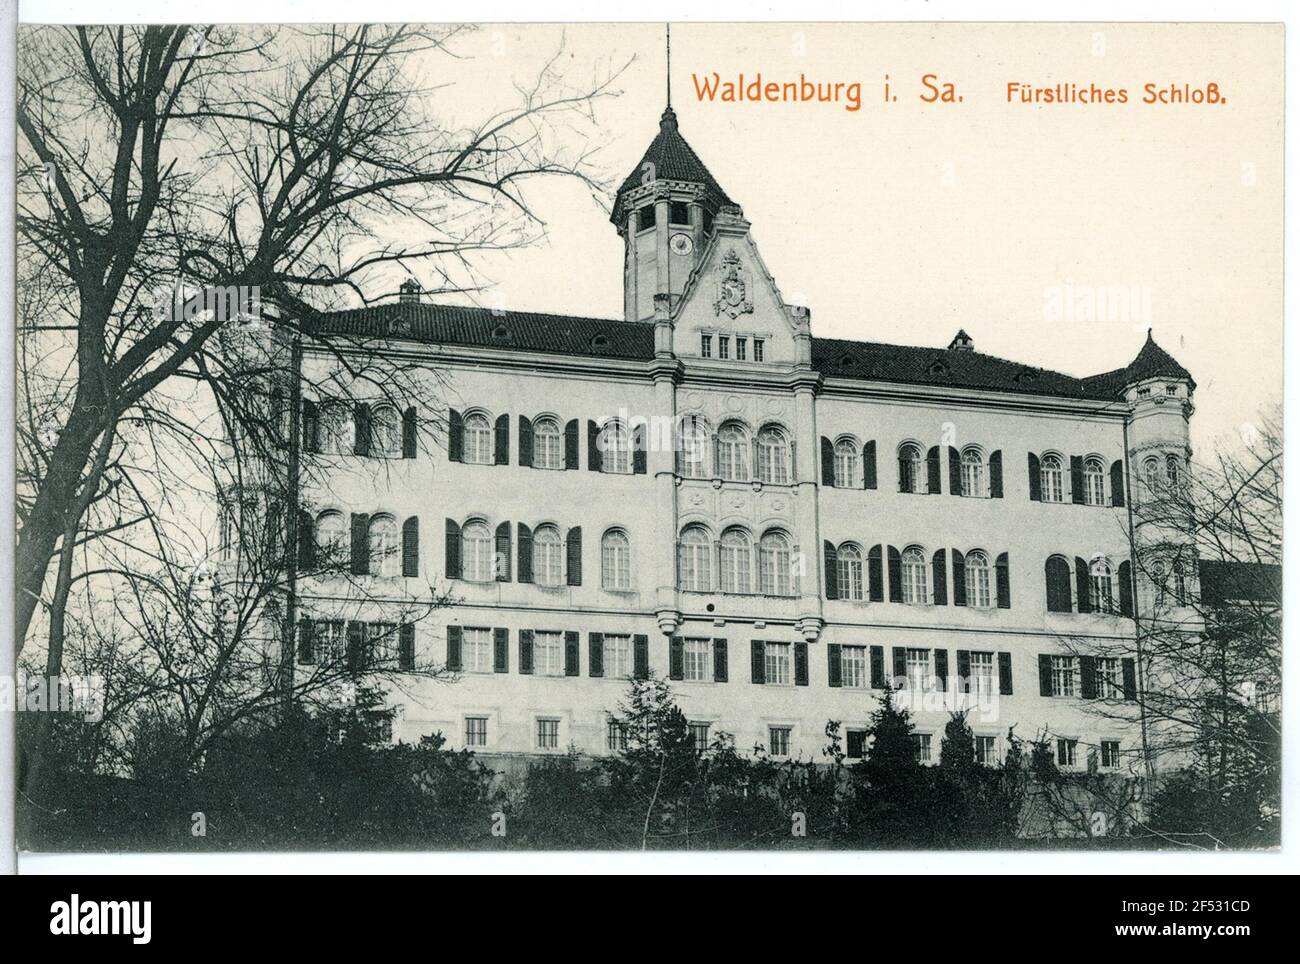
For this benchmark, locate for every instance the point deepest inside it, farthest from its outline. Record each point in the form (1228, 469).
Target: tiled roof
(1222, 582)
(634, 341)
(1152, 362)
(673, 160)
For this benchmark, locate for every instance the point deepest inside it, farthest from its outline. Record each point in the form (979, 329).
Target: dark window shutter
(963, 671)
(1129, 669)
(406, 647)
(941, 668)
(828, 462)
(719, 660)
(572, 654)
(503, 552)
(641, 656)
(500, 650)
(306, 541)
(1082, 582)
(832, 573)
(453, 648)
(360, 544)
(757, 661)
(526, 651)
(501, 440)
(1057, 572)
(1044, 675)
(310, 426)
(411, 546)
(1004, 674)
(954, 471)
(525, 571)
(800, 663)
(834, 668)
(361, 421)
(593, 446)
(958, 578)
(573, 556)
(1088, 677)
(525, 441)
(675, 658)
(869, 465)
(1076, 479)
(1117, 483)
(1002, 568)
(408, 433)
(995, 475)
(595, 654)
(900, 664)
(877, 667)
(306, 642)
(875, 575)
(1035, 479)
(455, 436)
(895, 575)
(452, 550)
(639, 450)
(933, 481)
(1125, 576)
(571, 444)
(356, 653)
(940, 574)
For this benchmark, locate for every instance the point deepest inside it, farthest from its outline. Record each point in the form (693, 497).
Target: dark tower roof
(1151, 362)
(673, 160)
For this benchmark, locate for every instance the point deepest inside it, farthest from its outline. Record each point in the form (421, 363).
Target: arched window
(385, 432)
(478, 557)
(909, 469)
(848, 571)
(478, 439)
(1173, 472)
(1101, 594)
(548, 556)
(615, 448)
(1052, 471)
(1151, 474)
(773, 456)
(915, 589)
(548, 444)
(1180, 583)
(337, 429)
(735, 552)
(694, 440)
(331, 538)
(848, 464)
(977, 580)
(1094, 484)
(615, 560)
(1057, 572)
(385, 546)
(733, 453)
(693, 552)
(774, 565)
(972, 472)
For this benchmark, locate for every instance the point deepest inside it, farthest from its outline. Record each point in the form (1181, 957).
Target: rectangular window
(381, 642)
(855, 743)
(697, 658)
(983, 674)
(919, 676)
(777, 664)
(853, 667)
(327, 640)
(1066, 752)
(724, 346)
(921, 743)
(1144, 392)
(778, 740)
(548, 734)
(758, 349)
(706, 346)
(1109, 754)
(986, 750)
(548, 653)
(700, 736)
(476, 650)
(1109, 684)
(645, 217)
(740, 349)
(476, 731)
(615, 737)
(1062, 675)
(618, 656)
(679, 213)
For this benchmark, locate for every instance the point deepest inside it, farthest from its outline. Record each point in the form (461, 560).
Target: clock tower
(664, 212)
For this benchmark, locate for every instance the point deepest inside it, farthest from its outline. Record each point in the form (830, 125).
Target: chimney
(409, 292)
(962, 341)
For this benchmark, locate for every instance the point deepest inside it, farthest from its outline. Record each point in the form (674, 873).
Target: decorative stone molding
(669, 620)
(810, 627)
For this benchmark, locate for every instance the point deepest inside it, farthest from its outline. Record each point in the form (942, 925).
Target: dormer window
(645, 218)
(679, 213)
(937, 369)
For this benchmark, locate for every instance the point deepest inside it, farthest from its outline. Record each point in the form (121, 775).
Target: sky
(903, 221)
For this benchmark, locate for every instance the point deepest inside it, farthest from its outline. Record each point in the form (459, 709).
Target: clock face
(681, 243)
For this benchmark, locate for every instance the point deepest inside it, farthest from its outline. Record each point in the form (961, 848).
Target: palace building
(779, 524)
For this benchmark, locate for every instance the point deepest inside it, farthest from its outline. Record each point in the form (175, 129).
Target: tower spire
(668, 62)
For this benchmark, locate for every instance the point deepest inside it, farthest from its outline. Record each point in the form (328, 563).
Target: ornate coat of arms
(733, 288)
